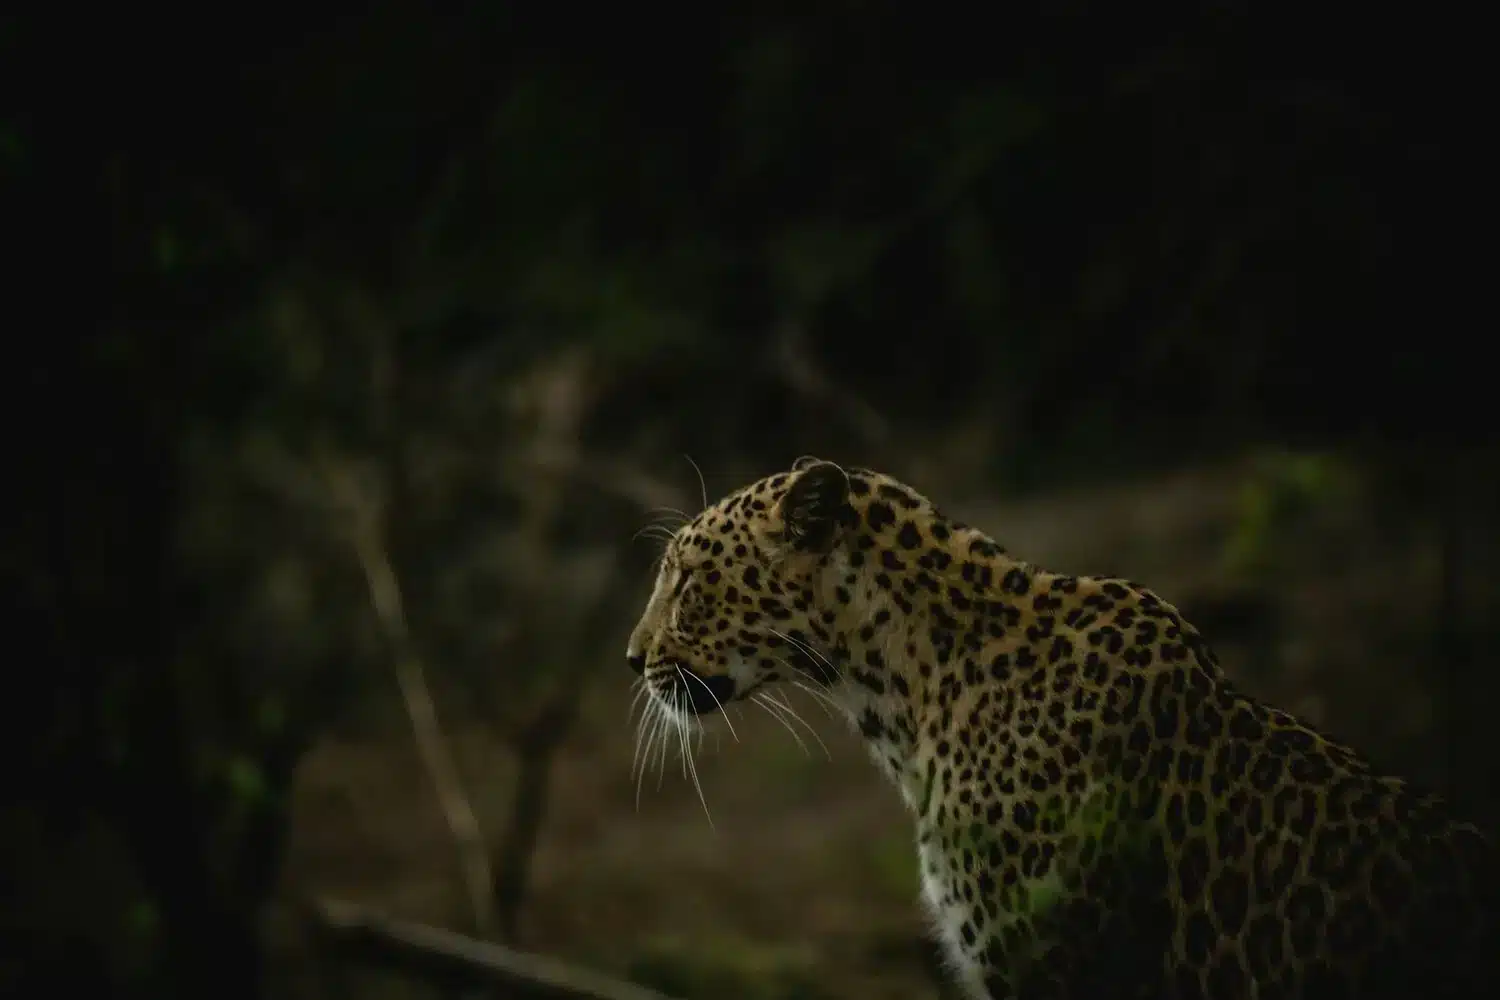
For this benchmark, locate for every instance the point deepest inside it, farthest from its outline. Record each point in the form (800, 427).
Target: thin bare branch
(806, 377)
(615, 478)
(434, 953)
(364, 524)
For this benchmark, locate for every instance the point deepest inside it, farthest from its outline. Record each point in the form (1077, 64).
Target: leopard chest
(951, 907)
(969, 853)
(987, 847)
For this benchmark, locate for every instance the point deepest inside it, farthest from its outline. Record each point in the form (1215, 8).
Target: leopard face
(738, 598)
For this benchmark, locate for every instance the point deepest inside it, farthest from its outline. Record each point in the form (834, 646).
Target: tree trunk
(536, 749)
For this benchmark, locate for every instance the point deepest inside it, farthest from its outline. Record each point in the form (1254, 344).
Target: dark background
(309, 309)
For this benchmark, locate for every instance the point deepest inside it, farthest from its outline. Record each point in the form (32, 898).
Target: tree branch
(433, 953)
(385, 596)
(807, 378)
(614, 478)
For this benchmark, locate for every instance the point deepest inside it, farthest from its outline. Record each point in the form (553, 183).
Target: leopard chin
(699, 693)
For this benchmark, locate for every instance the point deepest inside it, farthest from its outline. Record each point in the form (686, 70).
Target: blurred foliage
(498, 272)
(1282, 493)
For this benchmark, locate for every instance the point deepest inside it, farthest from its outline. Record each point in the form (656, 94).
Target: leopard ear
(805, 462)
(815, 505)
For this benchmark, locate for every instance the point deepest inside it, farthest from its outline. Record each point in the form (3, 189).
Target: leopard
(1100, 811)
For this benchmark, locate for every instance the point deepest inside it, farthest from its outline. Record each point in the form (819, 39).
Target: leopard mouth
(702, 695)
(816, 667)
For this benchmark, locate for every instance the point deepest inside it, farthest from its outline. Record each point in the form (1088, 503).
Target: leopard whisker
(660, 531)
(820, 696)
(640, 731)
(665, 513)
(816, 656)
(760, 699)
(641, 691)
(654, 715)
(679, 702)
(704, 685)
(821, 699)
(661, 753)
(702, 484)
(796, 716)
(692, 768)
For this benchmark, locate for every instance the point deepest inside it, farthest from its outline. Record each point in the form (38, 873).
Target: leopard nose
(637, 662)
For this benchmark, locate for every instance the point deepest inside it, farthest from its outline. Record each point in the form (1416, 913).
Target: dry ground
(806, 872)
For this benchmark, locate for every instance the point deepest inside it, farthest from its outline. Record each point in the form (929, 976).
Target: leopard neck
(920, 596)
